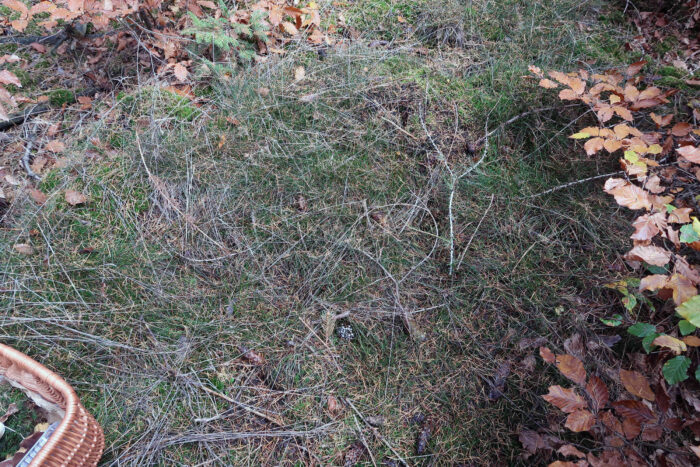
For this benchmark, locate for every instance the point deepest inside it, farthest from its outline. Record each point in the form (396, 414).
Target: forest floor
(353, 266)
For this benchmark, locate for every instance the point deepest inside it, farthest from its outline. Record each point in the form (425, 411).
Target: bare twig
(376, 433)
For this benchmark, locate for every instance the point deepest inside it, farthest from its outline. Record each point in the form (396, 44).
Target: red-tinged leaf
(635, 68)
(547, 355)
(7, 77)
(598, 392)
(635, 410)
(548, 83)
(581, 420)
(631, 428)
(690, 153)
(593, 145)
(651, 254)
(610, 421)
(567, 400)
(674, 424)
(570, 450)
(572, 368)
(636, 384)
(652, 433)
(681, 129)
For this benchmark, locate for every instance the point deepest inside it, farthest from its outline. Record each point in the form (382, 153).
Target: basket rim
(72, 403)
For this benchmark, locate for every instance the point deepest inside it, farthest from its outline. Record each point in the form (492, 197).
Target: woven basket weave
(78, 440)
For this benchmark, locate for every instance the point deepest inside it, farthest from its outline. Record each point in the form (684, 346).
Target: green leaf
(615, 320)
(676, 369)
(630, 301)
(690, 310)
(688, 234)
(697, 373)
(686, 327)
(642, 329)
(648, 342)
(655, 269)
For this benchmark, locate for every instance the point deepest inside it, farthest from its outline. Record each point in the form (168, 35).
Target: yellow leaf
(580, 135)
(654, 149)
(676, 345)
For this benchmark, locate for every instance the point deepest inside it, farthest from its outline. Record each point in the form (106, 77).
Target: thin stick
(376, 433)
(25, 161)
(469, 243)
(253, 410)
(575, 182)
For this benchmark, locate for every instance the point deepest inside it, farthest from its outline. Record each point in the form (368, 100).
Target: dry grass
(325, 205)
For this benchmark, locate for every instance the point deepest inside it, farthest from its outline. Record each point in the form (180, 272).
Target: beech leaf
(637, 384)
(567, 400)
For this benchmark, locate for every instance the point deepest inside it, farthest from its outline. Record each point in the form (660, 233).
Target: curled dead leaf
(75, 198)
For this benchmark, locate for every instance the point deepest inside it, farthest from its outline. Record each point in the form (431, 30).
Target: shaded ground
(226, 241)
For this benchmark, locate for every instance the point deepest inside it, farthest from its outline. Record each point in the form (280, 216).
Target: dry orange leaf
(628, 195)
(23, 248)
(637, 384)
(681, 129)
(691, 341)
(572, 368)
(593, 145)
(598, 392)
(547, 355)
(566, 400)
(651, 254)
(581, 420)
(180, 72)
(75, 198)
(548, 83)
(55, 146)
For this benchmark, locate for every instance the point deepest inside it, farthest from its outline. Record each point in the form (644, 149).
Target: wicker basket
(78, 440)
